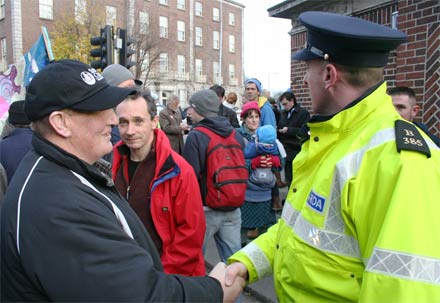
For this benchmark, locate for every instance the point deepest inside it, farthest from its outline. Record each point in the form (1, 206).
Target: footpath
(262, 290)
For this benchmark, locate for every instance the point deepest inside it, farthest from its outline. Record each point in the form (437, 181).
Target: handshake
(232, 279)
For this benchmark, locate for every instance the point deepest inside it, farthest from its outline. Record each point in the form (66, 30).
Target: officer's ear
(330, 75)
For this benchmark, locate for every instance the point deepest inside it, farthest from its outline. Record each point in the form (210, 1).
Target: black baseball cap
(70, 84)
(347, 40)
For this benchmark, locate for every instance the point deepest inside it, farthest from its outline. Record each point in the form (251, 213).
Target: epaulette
(409, 138)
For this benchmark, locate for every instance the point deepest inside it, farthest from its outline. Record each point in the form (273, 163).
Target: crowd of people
(99, 189)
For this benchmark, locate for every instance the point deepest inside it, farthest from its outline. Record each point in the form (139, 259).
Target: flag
(14, 80)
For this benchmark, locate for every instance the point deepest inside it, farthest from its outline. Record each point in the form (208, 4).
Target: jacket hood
(219, 125)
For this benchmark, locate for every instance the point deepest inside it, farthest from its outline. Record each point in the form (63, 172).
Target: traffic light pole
(104, 52)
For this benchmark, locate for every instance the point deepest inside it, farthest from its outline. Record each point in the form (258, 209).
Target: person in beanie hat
(64, 226)
(252, 92)
(358, 221)
(119, 75)
(224, 226)
(17, 143)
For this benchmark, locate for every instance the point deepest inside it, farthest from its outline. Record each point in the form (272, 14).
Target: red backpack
(226, 171)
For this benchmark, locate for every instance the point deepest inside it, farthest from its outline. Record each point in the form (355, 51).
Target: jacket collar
(61, 157)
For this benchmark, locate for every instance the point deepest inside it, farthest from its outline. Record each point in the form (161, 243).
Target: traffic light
(126, 52)
(104, 53)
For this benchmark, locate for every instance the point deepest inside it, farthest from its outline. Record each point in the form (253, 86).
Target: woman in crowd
(256, 212)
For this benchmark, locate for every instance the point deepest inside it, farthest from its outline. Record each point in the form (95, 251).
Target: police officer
(360, 221)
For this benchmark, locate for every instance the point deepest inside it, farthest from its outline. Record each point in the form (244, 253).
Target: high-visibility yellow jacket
(361, 219)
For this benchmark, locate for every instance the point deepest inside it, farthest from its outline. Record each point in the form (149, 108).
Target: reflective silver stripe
(337, 243)
(19, 201)
(258, 258)
(119, 215)
(403, 265)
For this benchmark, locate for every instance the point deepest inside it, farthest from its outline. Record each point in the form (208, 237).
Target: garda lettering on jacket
(316, 202)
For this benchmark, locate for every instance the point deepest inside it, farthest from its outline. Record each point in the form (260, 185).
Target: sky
(266, 45)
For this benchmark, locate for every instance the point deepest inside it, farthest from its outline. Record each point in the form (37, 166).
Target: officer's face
(315, 79)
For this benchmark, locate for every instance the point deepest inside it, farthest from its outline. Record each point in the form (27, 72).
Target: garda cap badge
(316, 202)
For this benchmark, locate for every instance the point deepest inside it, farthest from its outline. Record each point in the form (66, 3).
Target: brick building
(415, 64)
(201, 41)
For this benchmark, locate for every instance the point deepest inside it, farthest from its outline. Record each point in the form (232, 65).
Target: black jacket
(79, 240)
(230, 114)
(298, 117)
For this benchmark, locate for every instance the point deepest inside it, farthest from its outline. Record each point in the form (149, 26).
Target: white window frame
(144, 22)
(2, 9)
(215, 40)
(110, 15)
(145, 60)
(3, 54)
(199, 36)
(215, 14)
(199, 69)
(216, 71)
(181, 65)
(231, 19)
(163, 2)
(163, 63)
(231, 43)
(181, 4)
(163, 24)
(231, 73)
(80, 10)
(180, 31)
(198, 7)
(46, 9)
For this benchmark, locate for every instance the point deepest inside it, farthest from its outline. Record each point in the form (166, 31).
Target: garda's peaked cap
(347, 40)
(70, 84)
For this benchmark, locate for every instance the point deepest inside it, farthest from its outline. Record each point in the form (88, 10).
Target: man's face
(406, 107)
(314, 79)
(251, 91)
(286, 104)
(91, 133)
(195, 117)
(135, 125)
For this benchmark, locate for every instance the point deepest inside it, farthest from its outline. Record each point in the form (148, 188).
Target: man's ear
(330, 75)
(414, 110)
(155, 122)
(60, 124)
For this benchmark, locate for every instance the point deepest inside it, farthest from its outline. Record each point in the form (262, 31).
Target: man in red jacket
(160, 186)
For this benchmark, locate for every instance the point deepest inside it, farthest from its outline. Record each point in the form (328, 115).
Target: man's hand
(283, 130)
(233, 289)
(236, 270)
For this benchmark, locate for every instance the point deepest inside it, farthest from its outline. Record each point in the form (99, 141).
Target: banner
(14, 80)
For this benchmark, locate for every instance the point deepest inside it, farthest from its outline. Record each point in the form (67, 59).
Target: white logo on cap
(88, 78)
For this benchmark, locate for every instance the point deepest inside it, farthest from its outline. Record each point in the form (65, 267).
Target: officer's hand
(233, 289)
(234, 271)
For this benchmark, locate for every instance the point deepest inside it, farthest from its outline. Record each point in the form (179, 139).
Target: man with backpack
(215, 151)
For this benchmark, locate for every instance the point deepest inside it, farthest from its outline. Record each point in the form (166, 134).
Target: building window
(199, 36)
(144, 23)
(163, 2)
(163, 23)
(3, 54)
(182, 96)
(181, 4)
(110, 15)
(145, 58)
(80, 11)
(215, 14)
(216, 40)
(180, 31)
(216, 72)
(231, 19)
(199, 70)
(2, 9)
(232, 79)
(181, 65)
(199, 9)
(163, 63)
(231, 44)
(46, 9)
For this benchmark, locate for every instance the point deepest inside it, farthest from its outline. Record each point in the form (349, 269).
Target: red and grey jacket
(176, 207)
